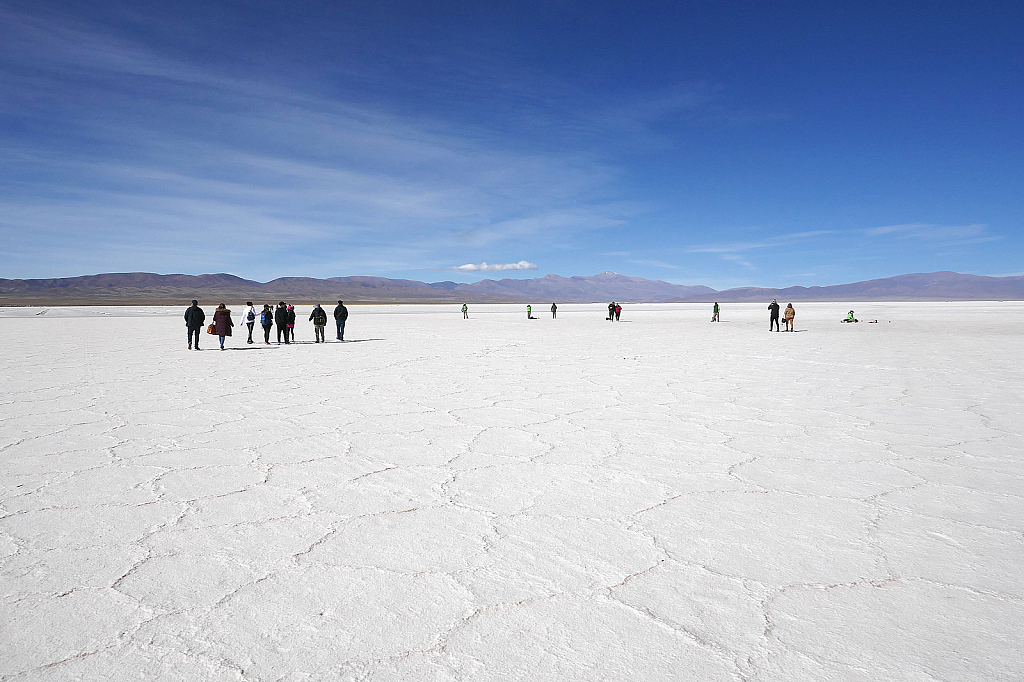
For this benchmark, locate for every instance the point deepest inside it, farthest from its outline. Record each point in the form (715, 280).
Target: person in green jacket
(714, 312)
(529, 313)
(465, 312)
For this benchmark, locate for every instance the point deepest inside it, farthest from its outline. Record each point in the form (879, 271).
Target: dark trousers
(774, 320)
(191, 331)
(341, 329)
(554, 314)
(318, 329)
(282, 329)
(266, 332)
(250, 325)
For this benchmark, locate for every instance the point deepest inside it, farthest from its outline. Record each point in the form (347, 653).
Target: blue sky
(718, 143)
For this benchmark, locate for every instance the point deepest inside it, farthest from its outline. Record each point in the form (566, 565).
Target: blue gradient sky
(720, 143)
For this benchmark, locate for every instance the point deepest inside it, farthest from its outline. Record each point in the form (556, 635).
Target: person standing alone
(194, 319)
(554, 311)
(465, 311)
(773, 319)
(250, 319)
(340, 317)
(319, 318)
(714, 312)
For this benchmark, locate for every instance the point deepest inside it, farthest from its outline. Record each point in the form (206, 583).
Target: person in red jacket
(222, 322)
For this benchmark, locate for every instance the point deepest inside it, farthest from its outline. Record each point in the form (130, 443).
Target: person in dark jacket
(194, 319)
(281, 318)
(773, 307)
(267, 322)
(554, 311)
(611, 310)
(714, 312)
(222, 322)
(319, 319)
(340, 316)
(291, 322)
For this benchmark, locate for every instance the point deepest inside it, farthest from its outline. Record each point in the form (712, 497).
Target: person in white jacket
(249, 315)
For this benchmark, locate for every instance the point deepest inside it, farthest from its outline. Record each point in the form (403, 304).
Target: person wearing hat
(340, 316)
(194, 319)
(250, 319)
(319, 319)
(773, 319)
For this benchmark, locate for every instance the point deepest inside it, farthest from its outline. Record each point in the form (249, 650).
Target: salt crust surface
(503, 499)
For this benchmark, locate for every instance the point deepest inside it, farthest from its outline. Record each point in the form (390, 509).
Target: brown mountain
(931, 286)
(145, 288)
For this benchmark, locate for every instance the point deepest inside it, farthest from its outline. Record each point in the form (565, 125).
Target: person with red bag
(222, 323)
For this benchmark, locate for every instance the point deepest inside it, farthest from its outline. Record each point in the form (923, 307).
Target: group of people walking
(283, 317)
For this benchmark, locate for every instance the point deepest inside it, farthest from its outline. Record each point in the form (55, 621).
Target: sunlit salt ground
(503, 499)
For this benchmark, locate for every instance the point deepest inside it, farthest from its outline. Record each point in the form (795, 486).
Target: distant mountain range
(144, 288)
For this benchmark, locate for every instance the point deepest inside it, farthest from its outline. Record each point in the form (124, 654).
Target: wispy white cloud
(493, 267)
(739, 247)
(931, 232)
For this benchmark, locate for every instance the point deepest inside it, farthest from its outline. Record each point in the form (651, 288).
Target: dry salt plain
(503, 499)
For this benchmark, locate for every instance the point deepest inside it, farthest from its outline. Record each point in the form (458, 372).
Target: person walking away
(319, 318)
(340, 316)
(611, 310)
(281, 319)
(194, 319)
(291, 322)
(465, 312)
(529, 313)
(267, 322)
(618, 311)
(714, 312)
(222, 321)
(250, 319)
(554, 311)
(774, 318)
(790, 314)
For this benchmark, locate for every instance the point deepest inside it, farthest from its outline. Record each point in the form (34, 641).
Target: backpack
(251, 317)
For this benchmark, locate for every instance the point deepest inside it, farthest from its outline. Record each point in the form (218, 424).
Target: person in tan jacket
(789, 315)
